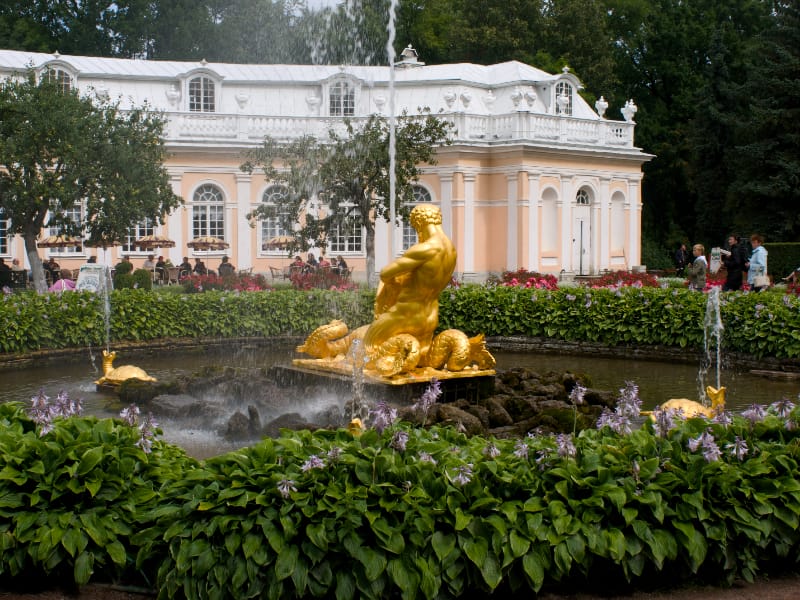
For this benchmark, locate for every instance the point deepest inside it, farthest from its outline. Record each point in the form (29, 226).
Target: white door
(581, 240)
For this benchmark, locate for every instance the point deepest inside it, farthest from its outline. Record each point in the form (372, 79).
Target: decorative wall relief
(449, 98)
(173, 95)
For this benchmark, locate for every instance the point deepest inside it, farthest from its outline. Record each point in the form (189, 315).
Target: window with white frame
(348, 235)
(202, 94)
(136, 232)
(59, 77)
(208, 212)
(4, 222)
(421, 196)
(72, 215)
(342, 99)
(582, 198)
(564, 98)
(272, 225)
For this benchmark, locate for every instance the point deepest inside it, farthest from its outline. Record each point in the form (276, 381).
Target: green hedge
(783, 258)
(765, 324)
(405, 513)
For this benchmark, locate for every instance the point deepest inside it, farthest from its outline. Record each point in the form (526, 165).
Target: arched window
(59, 77)
(563, 98)
(421, 195)
(342, 100)
(272, 225)
(582, 198)
(208, 212)
(202, 94)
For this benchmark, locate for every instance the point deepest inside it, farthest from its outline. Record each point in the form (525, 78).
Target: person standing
(698, 269)
(757, 265)
(681, 260)
(734, 262)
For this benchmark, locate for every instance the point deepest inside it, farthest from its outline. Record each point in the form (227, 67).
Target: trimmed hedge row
(765, 324)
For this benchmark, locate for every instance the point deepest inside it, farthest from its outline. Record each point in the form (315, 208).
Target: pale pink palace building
(535, 178)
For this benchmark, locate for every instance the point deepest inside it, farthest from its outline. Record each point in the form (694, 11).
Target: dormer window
(563, 98)
(202, 94)
(342, 99)
(58, 77)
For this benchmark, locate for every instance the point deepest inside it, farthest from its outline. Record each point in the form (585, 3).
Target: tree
(766, 158)
(349, 173)
(59, 152)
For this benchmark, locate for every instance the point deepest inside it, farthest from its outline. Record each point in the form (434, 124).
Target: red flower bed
(528, 279)
(245, 282)
(625, 278)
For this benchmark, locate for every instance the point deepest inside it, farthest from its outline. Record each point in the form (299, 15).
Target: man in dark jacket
(734, 261)
(681, 259)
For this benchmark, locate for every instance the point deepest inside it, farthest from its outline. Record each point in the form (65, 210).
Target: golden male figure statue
(408, 294)
(401, 339)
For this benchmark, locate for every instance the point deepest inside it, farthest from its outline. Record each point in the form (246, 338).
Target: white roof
(506, 73)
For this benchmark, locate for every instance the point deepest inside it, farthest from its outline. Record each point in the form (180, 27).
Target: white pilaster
(469, 226)
(512, 223)
(383, 254)
(564, 204)
(634, 208)
(534, 212)
(605, 223)
(244, 249)
(175, 222)
(446, 202)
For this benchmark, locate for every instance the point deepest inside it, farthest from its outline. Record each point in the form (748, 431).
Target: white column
(534, 215)
(383, 255)
(446, 202)
(469, 226)
(604, 238)
(565, 209)
(634, 208)
(175, 222)
(512, 224)
(244, 251)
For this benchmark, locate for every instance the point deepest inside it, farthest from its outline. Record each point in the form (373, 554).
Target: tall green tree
(59, 151)
(766, 160)
(349, 172)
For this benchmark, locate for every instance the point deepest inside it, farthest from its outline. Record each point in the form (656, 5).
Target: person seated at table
(15, 266)
(185, 268)
(200, 267)
(52, 267)
(161, 270)
(311, 262)
(324, 263)
(340, 266)
(297, 264)
(150, 262)
(225, 268)
(91, 260)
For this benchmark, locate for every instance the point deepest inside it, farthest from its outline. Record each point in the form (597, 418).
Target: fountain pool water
(657, 381)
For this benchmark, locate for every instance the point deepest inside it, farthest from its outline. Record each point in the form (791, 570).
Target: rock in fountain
(400, 346)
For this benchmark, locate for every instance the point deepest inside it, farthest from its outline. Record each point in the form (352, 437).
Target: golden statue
(401, 338)
(113, 377)
(692, 408)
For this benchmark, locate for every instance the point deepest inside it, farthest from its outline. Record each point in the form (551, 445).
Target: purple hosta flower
(629, 404)
(491, 450)
(665, 420)
(130, 415)
(429, 397)
(635, 470)
(462, 475)
(755, 413)
(783, 408)
(706, 441)
(570, 297)
(147, 431)
(7, 291)
(738, 448)
(39, 412)
(759, 308)
(521, 449)
(286, 487)
(382, 416)
(577, 394)
(64, 407)
(399, 441)
(313, 462)
(333, 454)
(542, 459)
(460, 427)
(588, 303)
(425, 457)
(565, 446)
(722, 417)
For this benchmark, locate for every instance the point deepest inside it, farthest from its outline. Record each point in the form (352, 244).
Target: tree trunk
(370, 243)
(37, 271)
